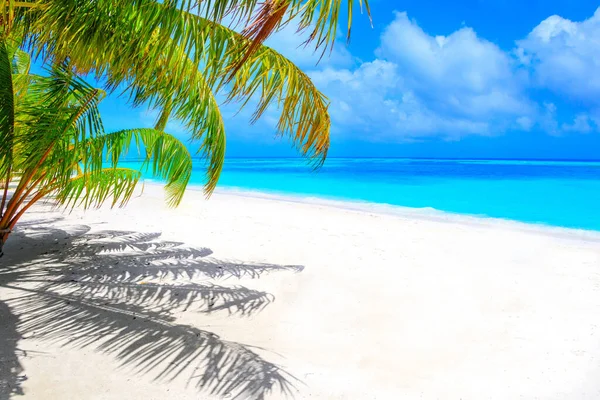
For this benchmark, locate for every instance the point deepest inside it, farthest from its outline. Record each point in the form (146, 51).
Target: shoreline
(426, 213)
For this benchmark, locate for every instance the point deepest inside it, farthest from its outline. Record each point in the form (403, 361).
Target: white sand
(401, 305)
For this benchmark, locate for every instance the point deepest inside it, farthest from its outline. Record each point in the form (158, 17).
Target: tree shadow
(109, 291)
(10, 367)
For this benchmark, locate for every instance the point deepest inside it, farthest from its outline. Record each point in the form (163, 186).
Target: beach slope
(254, 297)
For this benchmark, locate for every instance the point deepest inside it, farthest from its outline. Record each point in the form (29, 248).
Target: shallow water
(556, 193)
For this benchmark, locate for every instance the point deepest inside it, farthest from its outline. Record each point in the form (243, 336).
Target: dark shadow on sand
(11, 371)
(104, 291)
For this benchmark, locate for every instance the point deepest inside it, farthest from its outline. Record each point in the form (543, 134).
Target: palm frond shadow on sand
(104, 291)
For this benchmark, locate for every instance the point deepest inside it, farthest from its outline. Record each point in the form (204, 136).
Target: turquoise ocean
(557, 193)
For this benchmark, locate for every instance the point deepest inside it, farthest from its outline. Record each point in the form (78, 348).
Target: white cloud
(581, 124)
(525, 123)
(374, 99)
(564, 56)
(360, 98)
(426, 84)
(422, 85)
(461, 72)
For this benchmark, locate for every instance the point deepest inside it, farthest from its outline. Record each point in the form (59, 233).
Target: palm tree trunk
(5, 194)
(4, 233)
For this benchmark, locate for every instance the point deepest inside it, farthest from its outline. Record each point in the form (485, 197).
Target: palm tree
(177, 55)
(56, 144)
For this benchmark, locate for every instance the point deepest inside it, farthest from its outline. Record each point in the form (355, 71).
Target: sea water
(558, 193)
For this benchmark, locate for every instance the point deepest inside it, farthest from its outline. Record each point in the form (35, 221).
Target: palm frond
(274, 80)
(261, 19)
(94, 189)
(60, 111)
(169, 159)
(193, 102)
(7, 110)
(183, 43)
(21, 62)
(164, 55)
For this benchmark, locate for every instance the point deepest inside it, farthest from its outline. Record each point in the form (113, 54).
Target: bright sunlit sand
(250, 297)
(405, 200)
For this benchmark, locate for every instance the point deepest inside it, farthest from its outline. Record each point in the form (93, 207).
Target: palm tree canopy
(177, 55)
(54, 143)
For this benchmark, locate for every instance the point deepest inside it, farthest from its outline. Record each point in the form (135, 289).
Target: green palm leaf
(7, 111)
(59, 147)
(183, 49)
(320, 16)
(166, 156)
(172, 55)
(21, 62)
(94, 189)
(59, 113)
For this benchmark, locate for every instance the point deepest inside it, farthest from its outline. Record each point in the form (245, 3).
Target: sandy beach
(254, 297)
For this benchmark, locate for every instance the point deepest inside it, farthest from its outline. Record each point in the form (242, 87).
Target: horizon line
(420, 158)
(397, 158)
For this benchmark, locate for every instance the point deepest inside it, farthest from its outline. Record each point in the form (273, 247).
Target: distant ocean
(558, 193)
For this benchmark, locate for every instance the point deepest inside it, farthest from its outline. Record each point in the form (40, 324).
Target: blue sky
(471, 78)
